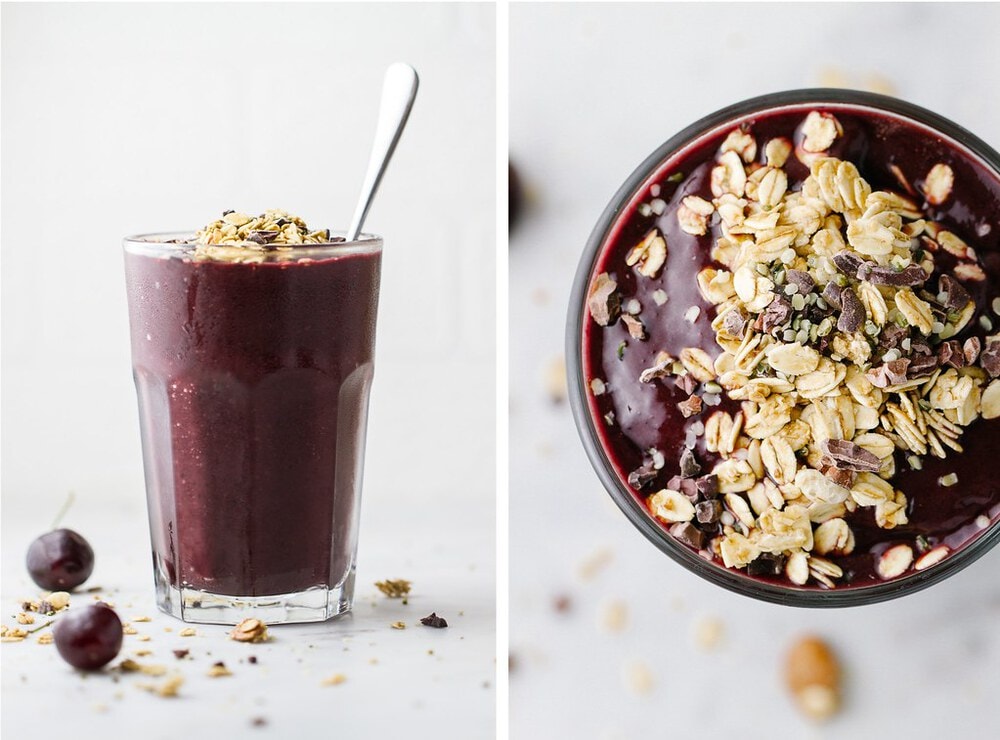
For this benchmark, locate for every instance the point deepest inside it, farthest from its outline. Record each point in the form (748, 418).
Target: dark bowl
(619, 492)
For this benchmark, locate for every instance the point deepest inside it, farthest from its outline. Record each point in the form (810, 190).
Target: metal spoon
(398, 92)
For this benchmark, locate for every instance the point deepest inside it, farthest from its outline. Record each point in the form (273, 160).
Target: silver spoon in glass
(398, 92)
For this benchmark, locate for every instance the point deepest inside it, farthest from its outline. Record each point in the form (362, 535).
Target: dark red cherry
(60, 560)
(89, 637)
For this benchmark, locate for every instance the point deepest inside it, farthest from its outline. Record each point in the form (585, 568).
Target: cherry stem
(62, 512)
(41, 627)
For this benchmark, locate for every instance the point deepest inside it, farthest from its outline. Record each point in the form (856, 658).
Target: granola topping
(239, 237)
(842, 317)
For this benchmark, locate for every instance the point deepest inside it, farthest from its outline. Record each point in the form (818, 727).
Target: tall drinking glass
(253, 379)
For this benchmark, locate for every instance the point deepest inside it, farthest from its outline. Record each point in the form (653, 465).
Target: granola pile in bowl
(784, 347)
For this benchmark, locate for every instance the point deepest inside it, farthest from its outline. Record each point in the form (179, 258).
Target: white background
(127, 118)
(593, 90)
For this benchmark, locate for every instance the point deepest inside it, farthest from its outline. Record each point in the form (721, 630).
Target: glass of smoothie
(784, 348)
(253, 352)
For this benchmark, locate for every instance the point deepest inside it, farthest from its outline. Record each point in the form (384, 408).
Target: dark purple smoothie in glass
(629, 418)
(253, 380)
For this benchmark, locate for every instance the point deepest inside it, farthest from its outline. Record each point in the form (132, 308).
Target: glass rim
(624, 498)
(178, 242)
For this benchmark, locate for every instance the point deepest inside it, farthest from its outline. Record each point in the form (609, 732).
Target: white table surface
(594, 89)
(419, 681)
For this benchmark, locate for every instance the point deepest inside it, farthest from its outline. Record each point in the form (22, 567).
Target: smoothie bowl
(784, 344)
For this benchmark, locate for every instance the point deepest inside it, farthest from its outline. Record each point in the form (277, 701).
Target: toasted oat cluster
(234, 233)
(836, 326)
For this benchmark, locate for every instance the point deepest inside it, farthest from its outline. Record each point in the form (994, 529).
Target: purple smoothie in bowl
(253, 368)
(784, 348)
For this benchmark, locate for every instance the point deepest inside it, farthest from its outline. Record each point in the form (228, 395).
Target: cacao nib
(642, 476)
(921, 365)
(849, 456)
(777, 313)
(708, 485)
(689, 534)
(879, 275)
(852, 312)
(831, 294)
(801, 280)
(735, 323)
(989, 358)
(848, 263)
(689, 464)
(708, 512)
(686, 383)
(955, 294)
(950, 353)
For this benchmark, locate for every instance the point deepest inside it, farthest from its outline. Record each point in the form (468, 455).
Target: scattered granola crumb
(433, 620)
(142, 653)
(812, 674)
(58, 600)
(614, 616)
(45, 638)
(249, 630)
(398, 625)
(12, 634)
(555, 380)
(708, 633)
(595, 563)
(181, 654)
(142, 619)
(128, 629)
(24, 618)
(394, 588)
(219, 670)
(638, 678)
(168, 688)
(143, 638)
(540, 296)
(335, 680)
(188, 632)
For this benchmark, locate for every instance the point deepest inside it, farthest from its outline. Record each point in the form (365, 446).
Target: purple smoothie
(253, 383)
(646, 415)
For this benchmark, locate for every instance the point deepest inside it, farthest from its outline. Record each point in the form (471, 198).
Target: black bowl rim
(712, 572)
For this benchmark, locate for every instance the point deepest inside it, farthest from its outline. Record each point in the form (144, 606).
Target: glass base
(201, 607)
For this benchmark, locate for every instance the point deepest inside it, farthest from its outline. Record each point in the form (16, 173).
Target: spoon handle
(398, 92)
